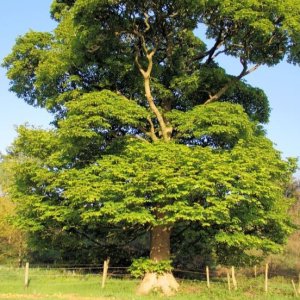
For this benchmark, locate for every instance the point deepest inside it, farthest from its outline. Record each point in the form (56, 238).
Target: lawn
(64, 285)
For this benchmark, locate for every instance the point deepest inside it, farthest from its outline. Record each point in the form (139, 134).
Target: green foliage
(136, 141)
(251, 24)
(95, 112)
(234, 191)
(12, 240)
(27, 53)
(219, 124)
(141, 266)
(78, 56)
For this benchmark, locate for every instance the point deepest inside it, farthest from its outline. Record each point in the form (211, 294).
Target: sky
(280, 83)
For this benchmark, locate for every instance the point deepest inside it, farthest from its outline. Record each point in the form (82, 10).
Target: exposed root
(166, 283)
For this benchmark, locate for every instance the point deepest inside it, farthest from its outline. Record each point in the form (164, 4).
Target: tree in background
(288, 261)
(150, 134)
(12, 240)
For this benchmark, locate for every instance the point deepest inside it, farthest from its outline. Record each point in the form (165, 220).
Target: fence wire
(120, 272)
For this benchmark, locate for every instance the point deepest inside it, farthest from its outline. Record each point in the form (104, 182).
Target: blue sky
(17, 18)
(281, 83)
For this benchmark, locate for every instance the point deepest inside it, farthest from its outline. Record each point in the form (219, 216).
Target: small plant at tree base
(141, 266)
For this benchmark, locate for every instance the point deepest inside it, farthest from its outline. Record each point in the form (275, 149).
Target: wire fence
(71, 277)
(123, 272)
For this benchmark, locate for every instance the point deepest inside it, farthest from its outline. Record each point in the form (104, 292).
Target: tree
(287, 261)
(150, 133)
(12, 240)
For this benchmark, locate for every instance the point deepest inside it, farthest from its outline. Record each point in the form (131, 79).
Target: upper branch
(210, 53)
(245, 71)
(146, 73)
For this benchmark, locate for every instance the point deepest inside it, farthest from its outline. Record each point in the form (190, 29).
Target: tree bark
(160, 243)
(159, 250)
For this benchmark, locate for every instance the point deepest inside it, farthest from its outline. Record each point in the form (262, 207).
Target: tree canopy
(150, 133)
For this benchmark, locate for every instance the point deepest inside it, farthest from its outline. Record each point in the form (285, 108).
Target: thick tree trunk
(160, 243)
(159, 250)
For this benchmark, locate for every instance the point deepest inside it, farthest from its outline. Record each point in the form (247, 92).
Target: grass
(62, 285)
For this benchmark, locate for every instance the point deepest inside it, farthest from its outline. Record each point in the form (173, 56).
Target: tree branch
(152, 130)
(165, 130)
(219, 42)
(235, 79)
(146, 21)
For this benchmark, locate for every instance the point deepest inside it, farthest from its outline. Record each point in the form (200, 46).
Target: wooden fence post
(105, 269)
(207, 276)
(294, 287)
(266, 277)
(233, 278)
(255, 271)
(228, 281)
(26, 281)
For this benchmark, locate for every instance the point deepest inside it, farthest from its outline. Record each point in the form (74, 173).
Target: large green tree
(150, 133)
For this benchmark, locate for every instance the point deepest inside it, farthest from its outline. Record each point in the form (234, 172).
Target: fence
(228, 276)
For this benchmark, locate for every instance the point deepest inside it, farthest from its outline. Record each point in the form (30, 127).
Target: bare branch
(218, 53)
(245, 67)
(254, 68)
(206, 91)
(166, 131)
(143, 72)
(235, 79)
(210, 53)
(152, 130)
(146, 21)
(145, 132)
(142, 39)
(174, 14)
(93, 49)
(141, 138)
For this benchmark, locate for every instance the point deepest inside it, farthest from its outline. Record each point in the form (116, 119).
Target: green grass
(58, 285)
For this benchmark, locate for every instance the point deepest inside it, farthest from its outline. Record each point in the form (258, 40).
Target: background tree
(150, 133)
(288, 262)
(12, 240)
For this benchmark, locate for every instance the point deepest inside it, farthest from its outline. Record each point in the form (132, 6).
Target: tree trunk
(160, 243)
(159, 250)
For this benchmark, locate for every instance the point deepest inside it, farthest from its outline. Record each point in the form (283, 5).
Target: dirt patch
(42, 297)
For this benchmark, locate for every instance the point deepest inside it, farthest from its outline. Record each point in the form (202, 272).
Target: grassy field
(58, 285)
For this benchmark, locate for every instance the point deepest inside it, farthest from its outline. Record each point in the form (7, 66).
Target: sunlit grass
(59, 284)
